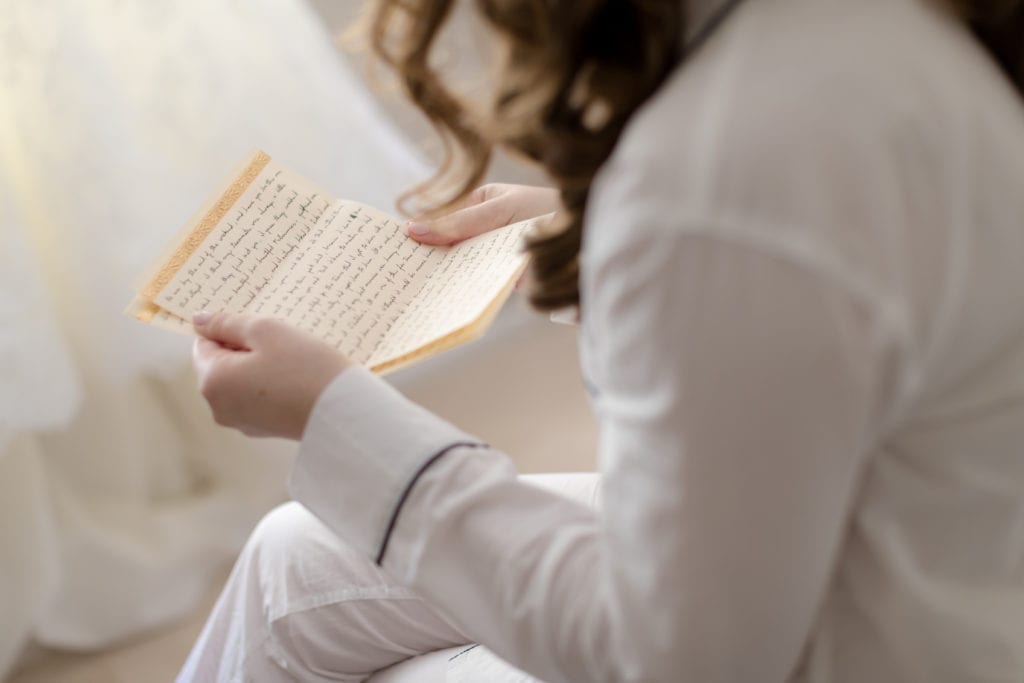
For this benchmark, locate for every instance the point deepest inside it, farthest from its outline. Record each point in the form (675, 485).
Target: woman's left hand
(260, 375)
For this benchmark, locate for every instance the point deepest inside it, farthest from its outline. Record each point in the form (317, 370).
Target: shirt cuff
(363, 448)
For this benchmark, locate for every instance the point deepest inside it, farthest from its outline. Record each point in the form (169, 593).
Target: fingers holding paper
(260, 375)
(489, 207)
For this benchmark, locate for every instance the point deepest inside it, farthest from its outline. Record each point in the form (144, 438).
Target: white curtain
(118, 497)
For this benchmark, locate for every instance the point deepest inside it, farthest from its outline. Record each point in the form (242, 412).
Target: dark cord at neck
(708, 28)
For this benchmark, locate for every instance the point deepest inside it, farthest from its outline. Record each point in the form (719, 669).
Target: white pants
(301, 605)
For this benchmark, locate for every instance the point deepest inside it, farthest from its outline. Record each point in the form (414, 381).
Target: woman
(799, 289)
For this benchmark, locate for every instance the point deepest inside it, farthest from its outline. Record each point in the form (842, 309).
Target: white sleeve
(738, 394)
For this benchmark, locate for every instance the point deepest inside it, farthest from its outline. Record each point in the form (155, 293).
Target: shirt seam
(822, 262)
(894, 318)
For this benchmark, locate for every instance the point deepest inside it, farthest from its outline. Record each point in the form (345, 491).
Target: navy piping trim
(412, 482)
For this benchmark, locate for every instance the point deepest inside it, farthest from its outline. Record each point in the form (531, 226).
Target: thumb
(227, 329)
(462, 224)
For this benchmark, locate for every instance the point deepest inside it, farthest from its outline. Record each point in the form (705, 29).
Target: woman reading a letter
(792, 229)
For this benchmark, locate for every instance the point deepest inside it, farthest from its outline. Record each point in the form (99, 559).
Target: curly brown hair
(999, 25)
(573, 74)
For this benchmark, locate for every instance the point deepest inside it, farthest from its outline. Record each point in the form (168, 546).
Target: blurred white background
(121, 504)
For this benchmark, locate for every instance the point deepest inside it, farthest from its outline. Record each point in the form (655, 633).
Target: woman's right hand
(486, 208)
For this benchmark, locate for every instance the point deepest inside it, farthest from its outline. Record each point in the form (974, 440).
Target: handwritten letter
(342, 271)
(351, 279)
(457, 290)
(243, 252)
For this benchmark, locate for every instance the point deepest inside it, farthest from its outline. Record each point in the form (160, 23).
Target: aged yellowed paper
(272, 243)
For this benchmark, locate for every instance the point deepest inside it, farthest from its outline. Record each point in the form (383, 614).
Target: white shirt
(803, 322)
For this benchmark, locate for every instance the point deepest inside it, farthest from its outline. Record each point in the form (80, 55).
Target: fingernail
(414, 228)
(201, 318)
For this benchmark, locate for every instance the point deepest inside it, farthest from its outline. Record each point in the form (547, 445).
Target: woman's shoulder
(871, 142)
(794, 83)
(822, 126)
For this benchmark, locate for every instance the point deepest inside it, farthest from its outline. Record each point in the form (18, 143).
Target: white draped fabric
(118, 497)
